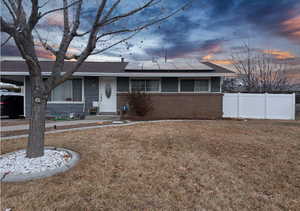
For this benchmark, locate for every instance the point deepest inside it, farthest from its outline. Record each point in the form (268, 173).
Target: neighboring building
(178, 90)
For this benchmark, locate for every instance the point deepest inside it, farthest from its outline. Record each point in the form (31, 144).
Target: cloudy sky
(209, 29)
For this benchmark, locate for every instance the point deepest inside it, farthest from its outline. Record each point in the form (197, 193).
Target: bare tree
(22, 26)
(259, 71)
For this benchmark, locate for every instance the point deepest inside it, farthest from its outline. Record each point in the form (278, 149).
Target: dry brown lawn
(203, 165)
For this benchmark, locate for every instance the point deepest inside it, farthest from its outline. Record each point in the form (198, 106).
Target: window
(187, 85)
(191, 85)
(169, 85)
(201, 85)
(141, 85)
(70, 90)
(152, 85)
(123, 84)
(216, 84)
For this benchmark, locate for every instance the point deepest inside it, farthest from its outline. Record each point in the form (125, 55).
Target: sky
(208, 30)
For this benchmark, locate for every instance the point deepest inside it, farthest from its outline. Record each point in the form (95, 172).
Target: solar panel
(167, 66)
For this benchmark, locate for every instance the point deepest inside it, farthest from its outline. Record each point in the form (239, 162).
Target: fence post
(238, 105)
(293, 106)
(266, 108)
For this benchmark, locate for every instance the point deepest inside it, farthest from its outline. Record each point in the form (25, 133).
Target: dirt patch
(203, 165)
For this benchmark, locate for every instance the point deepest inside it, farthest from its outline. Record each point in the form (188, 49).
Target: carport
(18, 81)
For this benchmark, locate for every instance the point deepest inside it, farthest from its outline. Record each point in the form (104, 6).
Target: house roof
(125, 69)
(46, 66)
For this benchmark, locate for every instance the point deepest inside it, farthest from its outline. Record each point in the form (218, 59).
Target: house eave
(126, 74)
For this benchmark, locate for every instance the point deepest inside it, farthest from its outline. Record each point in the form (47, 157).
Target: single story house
(177, 89)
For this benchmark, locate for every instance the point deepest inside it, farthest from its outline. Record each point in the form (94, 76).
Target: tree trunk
(35, 146)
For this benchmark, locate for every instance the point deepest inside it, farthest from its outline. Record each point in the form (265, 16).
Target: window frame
(195, 79)
(129, 79)
(144, 79)
(178, 87)
(220, 84)
(71, 102)
(179, 84)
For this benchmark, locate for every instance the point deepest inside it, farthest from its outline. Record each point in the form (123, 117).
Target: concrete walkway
(50, 124)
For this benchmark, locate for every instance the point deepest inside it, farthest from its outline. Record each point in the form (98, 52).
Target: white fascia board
(135, 74)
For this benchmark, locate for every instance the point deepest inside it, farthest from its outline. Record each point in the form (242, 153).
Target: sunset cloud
(208, 30)
(211, 48)
(292, 27)
(280, 54)
(42, 53)
(222, 61)
(208, 57)
(55, 19)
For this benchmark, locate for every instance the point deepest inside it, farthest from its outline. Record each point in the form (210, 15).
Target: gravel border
(49, 172)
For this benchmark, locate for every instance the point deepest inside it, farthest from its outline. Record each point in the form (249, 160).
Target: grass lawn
(203, 165)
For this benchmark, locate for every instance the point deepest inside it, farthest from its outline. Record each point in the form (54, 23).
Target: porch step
(103, 117)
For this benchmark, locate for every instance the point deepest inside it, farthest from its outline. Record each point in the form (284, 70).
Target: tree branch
(45, 44)
(21, 16)
(6, 27)
(10, 10)
(66, 18)
(2, 44)
(58, 9)
(34, 16)
(91, 45)
(155, 21)
(112, 9)
(40, 7)
(106, 21)
(123, 40)
(76, 21)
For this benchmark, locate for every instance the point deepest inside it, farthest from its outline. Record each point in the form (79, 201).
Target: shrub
(140, 103)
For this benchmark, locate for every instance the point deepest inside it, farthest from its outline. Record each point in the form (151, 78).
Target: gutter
(127, 74)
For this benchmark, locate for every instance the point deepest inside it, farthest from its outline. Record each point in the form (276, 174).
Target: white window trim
(221, 84)
(153, 92)
(72, 102)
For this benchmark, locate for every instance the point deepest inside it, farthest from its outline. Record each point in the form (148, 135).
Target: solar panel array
(176, 66)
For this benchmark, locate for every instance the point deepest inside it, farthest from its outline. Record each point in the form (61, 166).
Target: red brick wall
(180, 106)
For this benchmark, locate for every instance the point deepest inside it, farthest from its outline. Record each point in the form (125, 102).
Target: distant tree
(259, 71)
(112, 23)
(232, 85)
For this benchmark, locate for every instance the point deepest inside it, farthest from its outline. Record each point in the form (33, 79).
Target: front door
(107, 95)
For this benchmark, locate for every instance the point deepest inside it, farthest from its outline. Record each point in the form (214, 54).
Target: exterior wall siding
(166, 105)
(91, 92)
(180, 106)
(64, 109)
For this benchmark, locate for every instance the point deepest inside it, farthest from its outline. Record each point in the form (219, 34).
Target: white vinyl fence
(259, 106)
